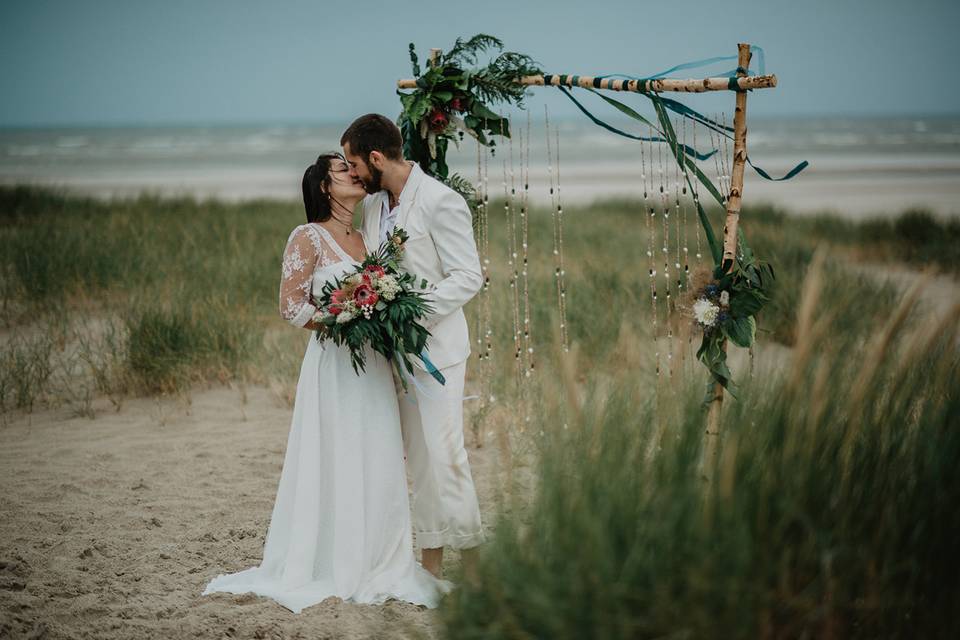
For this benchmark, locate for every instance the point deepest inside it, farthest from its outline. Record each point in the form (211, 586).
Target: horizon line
(248, 123)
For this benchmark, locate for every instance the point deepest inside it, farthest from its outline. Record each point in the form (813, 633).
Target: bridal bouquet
(378, 305)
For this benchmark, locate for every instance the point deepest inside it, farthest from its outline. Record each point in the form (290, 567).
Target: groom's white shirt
(388, 219)
(440, 249)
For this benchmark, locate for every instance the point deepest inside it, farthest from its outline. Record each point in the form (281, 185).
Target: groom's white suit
(440, 249)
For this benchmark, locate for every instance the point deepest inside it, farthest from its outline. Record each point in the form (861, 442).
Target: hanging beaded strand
(479, 233)
(556, 212)
(677, 216)
(563, 270)
(524, 245)
(683, 207)
(688, 348)
(509, 192)
(696, 201)
(649, 214)
(484, 323)
(486, 252)
(717, 145)
(665, 250)
(724, 158)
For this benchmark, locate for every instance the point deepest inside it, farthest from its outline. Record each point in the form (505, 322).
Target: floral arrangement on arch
(453, 100)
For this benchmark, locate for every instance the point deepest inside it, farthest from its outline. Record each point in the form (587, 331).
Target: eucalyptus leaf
(481, 111)
(741, 331)
(746, 303)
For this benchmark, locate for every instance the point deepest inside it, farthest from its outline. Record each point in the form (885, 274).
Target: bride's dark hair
(316, 188)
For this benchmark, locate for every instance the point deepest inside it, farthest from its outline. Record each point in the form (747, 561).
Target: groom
(440, 249)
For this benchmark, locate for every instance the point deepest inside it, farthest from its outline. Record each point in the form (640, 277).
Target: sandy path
(110, 528)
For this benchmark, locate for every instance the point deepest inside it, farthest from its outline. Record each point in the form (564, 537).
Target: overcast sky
(221, 62)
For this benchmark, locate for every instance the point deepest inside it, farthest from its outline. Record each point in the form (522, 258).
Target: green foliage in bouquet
(452, 99)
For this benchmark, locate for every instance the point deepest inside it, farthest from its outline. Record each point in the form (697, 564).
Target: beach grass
(831, 512)
(185, 290)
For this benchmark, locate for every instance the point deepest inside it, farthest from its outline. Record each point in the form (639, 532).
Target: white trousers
(445, 511)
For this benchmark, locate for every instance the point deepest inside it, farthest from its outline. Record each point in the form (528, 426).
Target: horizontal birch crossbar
(658, 85)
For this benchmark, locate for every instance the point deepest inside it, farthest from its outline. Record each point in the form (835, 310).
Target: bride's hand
(313, 325)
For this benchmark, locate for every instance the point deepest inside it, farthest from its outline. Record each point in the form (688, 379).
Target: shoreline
(818, 193)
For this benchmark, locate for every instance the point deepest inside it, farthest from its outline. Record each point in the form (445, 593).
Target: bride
(341, 522)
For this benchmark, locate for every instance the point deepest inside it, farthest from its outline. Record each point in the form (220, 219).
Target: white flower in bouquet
(705, 312)
(725, 298)
(349, 312)
(387, 286)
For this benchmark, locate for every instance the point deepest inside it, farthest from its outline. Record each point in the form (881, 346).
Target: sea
(858, 166)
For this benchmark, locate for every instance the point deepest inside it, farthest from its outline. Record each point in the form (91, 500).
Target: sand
(111, 527)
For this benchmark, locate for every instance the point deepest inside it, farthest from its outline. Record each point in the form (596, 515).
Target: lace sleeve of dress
(304, 252)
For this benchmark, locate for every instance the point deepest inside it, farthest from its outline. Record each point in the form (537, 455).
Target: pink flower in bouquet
(365, 296)
(457, 104)
(337, 295)
(335, 309)
(376, 269)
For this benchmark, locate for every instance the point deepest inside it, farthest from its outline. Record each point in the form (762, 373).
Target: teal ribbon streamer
(716, 251)
(685, 155)
(685, 111)
(431, 368)
(689, 150)
(705, 62)
(797, 169)
(597, 121)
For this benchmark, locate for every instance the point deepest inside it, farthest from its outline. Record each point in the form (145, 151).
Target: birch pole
(656, 85)
(734, 199)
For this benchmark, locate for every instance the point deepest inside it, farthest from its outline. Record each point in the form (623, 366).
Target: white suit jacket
(441, 250)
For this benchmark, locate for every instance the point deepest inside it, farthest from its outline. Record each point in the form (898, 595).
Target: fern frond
(497, 81)
(467, 51)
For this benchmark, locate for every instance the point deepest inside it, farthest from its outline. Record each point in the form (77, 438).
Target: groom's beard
(375, 184)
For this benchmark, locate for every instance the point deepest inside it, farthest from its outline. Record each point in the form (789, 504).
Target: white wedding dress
(341, 521)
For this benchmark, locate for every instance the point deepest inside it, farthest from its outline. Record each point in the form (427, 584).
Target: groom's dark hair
(374, 132)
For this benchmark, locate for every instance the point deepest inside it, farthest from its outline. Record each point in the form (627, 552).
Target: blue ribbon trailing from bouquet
(431, 368)
(420, 387)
